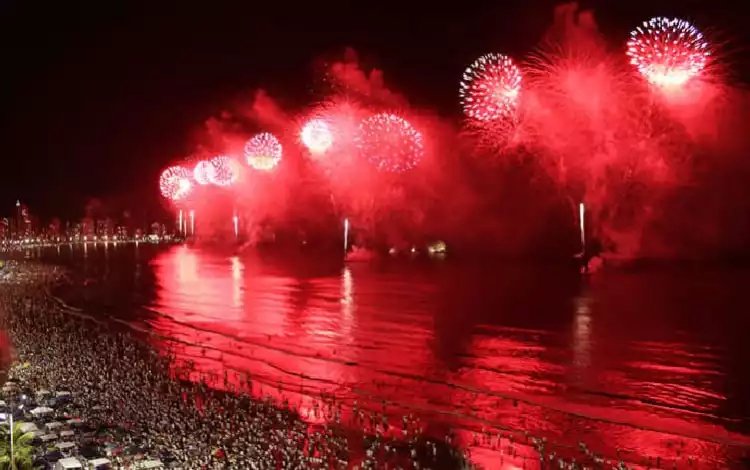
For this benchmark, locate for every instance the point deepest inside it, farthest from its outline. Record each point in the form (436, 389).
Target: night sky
(98, 97)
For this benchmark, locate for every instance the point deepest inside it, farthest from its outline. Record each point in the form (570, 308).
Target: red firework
(224, 171)
(668, 52)
(317, 135)
(490, 88)
(263, 151)
(174, 183)
(390, 142)
(202, 172)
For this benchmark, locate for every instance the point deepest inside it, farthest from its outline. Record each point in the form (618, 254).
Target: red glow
(342, 335)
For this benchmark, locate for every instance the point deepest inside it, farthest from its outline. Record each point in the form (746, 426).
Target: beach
(118, 381)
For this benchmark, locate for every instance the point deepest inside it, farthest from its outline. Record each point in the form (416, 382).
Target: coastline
(118, 380)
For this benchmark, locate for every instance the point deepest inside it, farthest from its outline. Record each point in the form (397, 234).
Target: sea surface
(640, 363)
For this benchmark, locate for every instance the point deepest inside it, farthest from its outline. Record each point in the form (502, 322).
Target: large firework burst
(317, 135)
(390, 142)
(490, 88)
(668, 52)
(174, 183)
(224, 171)
(202, 172)
(263, 151)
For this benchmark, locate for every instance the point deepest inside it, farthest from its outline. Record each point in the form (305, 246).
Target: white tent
(41, 411)
(51, 426)
(156, 464)
(96, 463)
(69, 463)
(65, 446)
(28, 427)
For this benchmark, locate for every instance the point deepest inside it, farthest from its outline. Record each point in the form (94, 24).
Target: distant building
(24, 225)
(104, 228)
(87, 228)
(54, 229)
(158, 229)
(122, 232)
(72, 231)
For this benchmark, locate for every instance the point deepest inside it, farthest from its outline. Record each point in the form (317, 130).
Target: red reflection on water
(373, 337)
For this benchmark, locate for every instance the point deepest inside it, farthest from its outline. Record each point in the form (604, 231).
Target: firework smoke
(266, 112)
(592, 124)
(347, 77)
(586, 128)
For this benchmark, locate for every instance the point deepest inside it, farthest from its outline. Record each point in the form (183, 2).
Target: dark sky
(99, 96)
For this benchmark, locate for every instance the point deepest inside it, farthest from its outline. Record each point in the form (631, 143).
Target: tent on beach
(150, 464)
(41, 411)
(99, 464)
(27, 427)
(68, 463)
(53, 425)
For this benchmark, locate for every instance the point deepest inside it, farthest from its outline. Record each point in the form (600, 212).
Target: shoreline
(321, 435)
(115, 377)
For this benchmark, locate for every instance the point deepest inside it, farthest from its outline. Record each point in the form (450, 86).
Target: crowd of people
(117, 378)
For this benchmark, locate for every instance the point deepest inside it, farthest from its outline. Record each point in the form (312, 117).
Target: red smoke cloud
(348, 76)
(598, 131)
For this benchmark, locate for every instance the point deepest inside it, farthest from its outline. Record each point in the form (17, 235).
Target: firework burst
(490, 88)
(174, 183)
(668, 52)
(263, 151)
(202, 172)
(390, 142)
(224, 171)
(317, 135)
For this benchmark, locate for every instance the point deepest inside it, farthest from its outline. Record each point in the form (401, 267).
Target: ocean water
(636, 364)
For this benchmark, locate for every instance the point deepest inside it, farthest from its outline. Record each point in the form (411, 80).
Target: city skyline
(95, 222)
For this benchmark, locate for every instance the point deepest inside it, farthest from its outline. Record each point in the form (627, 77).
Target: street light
(12, 455)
